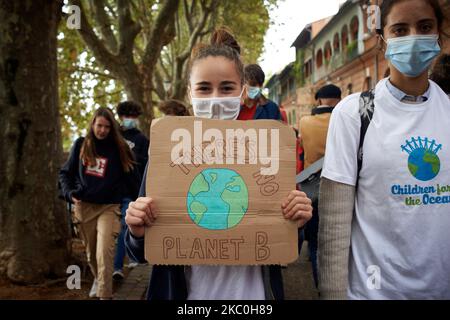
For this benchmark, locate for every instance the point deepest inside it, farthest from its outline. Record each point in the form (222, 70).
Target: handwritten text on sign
(218, 187)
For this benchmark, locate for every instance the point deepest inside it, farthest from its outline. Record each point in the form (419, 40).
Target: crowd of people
(370, 143)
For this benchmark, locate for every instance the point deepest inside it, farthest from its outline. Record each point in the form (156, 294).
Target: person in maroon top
(300, 152)
(256, 106)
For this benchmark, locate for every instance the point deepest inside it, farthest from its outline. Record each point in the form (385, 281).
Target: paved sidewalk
(298, 278)
(134, 286)
(298, 281)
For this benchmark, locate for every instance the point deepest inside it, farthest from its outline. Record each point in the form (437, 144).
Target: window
(327, 51)
(344, 37)
(284, 91)
(319, 58)
(354, 26)
(307, 68)
(336, 44)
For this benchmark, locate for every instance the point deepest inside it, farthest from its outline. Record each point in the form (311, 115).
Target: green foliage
(352, 49)
(84, 84)
(298, 69)
(249, 20)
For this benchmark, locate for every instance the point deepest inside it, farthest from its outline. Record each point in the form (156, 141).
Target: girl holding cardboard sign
(216, 87)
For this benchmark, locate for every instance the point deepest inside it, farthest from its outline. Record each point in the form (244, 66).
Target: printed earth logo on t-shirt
(99, 169)
(424, 165)
(423, 161)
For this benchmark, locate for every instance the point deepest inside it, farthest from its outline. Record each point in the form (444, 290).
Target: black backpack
(309, 179)
(366, 110)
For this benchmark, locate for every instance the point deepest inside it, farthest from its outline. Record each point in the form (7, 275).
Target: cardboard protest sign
(218, 187)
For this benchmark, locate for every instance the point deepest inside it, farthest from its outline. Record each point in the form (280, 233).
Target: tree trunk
(138, 89)
(33, 222)
(180, 79)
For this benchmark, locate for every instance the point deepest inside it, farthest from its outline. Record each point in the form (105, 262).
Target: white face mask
(223, 108)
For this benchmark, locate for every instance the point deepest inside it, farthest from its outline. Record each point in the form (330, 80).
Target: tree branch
(187, 15)
(128, 29)
(91, 71)
(179, 67)
(144, 9)
(108, 94)
(193, 8)
(164, 69)
(101, 53)
(206, 11)
(111, 11)
(158, 85)
(102, 18)
(160, 35)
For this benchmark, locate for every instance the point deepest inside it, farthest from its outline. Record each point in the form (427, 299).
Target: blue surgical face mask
(254, 92)
(412, 55)
(129, 123)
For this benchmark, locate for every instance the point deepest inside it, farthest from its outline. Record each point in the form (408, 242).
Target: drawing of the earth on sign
(217, 199)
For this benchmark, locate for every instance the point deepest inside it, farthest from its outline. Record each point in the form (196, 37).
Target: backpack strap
(366, 110)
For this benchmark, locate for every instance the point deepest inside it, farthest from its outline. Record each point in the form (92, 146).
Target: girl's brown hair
(88, 153)
(173, 107)
(222, 44)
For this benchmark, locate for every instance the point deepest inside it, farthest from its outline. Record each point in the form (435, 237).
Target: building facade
(341, 50)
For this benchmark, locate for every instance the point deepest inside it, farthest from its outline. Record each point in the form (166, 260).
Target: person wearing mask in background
(384, 225)
(173, 107)
(256, 106)
(95, 177)
(441, 73)
(313, 130)
(128, 112)
(216, 83)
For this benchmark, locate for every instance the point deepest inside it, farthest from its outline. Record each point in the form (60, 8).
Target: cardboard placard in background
(218, 187)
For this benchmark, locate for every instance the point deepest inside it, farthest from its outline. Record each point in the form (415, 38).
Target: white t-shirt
(400, 240)
(225, 283)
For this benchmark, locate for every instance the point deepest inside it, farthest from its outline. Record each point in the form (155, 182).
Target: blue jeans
(120, 249)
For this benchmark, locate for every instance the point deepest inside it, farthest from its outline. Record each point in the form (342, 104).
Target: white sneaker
(132, 265)
(93, 292)
(118, 275)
